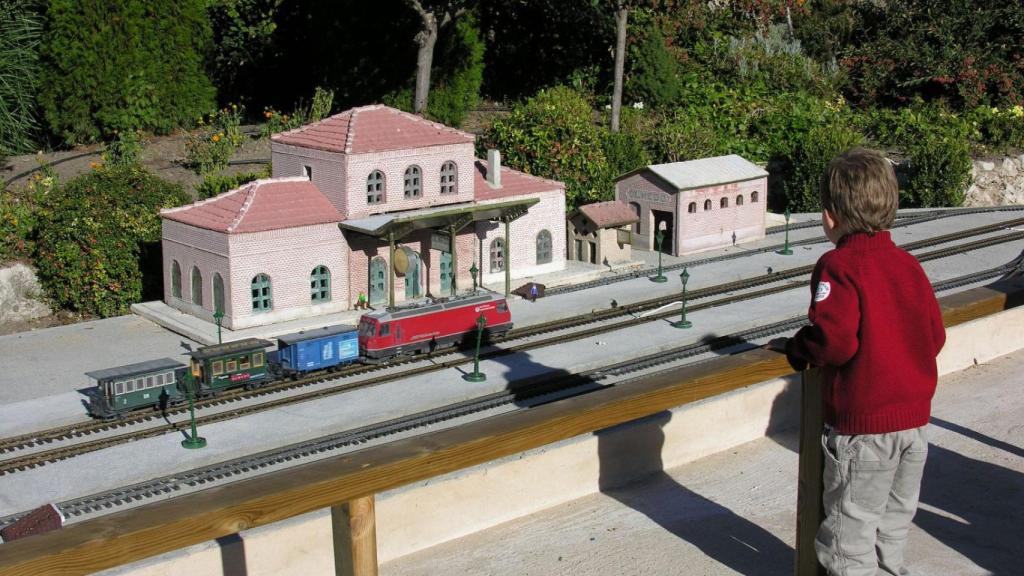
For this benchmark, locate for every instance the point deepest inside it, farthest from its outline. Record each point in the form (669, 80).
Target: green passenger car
(115, 391)
(231, 364)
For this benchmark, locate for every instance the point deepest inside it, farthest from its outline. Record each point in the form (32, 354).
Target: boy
(875, 329)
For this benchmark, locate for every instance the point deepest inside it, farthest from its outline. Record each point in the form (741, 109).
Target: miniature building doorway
(378, 281)
(412, 275)
(668, 243)
(218, 293)
(446, 273)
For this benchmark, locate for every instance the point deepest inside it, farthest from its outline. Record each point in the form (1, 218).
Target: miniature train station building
(371, 200)
(600, 233)
(698, 204)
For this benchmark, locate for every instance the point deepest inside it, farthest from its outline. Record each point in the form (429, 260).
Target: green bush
(625, 152)
(214, 184)
(20, 32)
(683, 135)
(319, 109)
(654, 77)
(243, 33)
(210, 149)
(809, 160)
(553, 135)
(123, 65)
(19, 215)
(93, 234)
(999, 129)
(939, 168)
(124, 150)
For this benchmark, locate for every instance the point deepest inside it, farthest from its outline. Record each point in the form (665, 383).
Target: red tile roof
(259, 206)
(372, 129)
(609, 214)
(513, 183)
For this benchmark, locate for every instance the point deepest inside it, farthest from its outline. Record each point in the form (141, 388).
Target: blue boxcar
(318, 348)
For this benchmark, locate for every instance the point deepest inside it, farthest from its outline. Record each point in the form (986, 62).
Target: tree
(434, 15)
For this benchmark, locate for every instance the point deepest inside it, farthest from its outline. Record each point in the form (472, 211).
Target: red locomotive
(388, 333)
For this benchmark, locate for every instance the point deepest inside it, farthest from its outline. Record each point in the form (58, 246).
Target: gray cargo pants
(871, 486)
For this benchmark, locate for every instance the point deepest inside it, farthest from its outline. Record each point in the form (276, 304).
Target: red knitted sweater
(876, 329)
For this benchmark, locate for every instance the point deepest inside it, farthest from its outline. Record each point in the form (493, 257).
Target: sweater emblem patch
(824, 289)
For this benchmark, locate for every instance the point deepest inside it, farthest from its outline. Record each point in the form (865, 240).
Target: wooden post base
(355, 538)
(809, 511)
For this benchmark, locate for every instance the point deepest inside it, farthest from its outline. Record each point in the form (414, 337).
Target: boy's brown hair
(859, 189)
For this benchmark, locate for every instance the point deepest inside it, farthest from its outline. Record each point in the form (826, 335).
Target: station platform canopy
(396, 225)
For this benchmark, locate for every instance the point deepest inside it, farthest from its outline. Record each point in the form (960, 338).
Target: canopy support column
(391, 270)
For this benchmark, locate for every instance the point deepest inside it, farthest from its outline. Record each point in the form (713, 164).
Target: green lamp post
(217, 317)
(473, 271)
(683, 322)
(193, 441)
(477, 376)
(785, 250)
(659, 238)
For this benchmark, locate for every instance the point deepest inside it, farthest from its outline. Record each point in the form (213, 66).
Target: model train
(380, 336)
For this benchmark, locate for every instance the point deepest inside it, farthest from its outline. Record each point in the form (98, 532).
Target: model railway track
(527, 393)
(82, 429)
(651, 310)
(908, 220)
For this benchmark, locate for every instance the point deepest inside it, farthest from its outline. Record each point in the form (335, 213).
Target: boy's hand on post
(777, 345)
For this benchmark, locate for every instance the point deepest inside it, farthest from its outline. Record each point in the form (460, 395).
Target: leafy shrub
(242, 40)
(124, 150)
(20, 33)
(214, 184)
(19, 215)
(318, 109)
(93, 233)
(682, 136)
(939, 170)
(625, 152)
(553, 135)
(809, 160)
(123, 65)
(999, 129)
(654, 77)
(211, 148)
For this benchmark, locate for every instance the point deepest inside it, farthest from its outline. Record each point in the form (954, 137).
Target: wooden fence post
(355, 538)
(809, 511)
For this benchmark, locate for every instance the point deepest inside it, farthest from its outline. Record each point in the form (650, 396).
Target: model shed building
(371, 200)
(699, 204)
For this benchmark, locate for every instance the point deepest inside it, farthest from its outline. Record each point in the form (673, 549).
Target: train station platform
(735, 512)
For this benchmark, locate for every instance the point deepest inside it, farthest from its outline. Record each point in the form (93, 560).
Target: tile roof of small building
(372, 129)
(258, 206)
(513, 183)
(706, 171)
(609, 214)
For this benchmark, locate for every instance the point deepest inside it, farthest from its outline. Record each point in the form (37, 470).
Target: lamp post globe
(659, 238)
(217, 317)
(684, 277)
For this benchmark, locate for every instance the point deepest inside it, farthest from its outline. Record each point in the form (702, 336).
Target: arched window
(692, 208)
(175, 279)
(753, 196)
(543, 247)
(449, 178)
(320, 284)
(197, 286)
(723, 203)
(707, 205)
(739, 200)
(218, 293)
(636, 209)
(375, 187)
(261, 296)
(498, 255)
(412, 182)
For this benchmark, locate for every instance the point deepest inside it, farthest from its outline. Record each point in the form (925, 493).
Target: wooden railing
(347, 483)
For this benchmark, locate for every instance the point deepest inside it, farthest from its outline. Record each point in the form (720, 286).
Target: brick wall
(288, 257)
(548, 214)
(394, 163)
(194, 247)
(611, 250)
(707, 229)
(328, 169)
(651, 193)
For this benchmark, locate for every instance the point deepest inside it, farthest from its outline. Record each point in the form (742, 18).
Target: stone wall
(997, 182)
